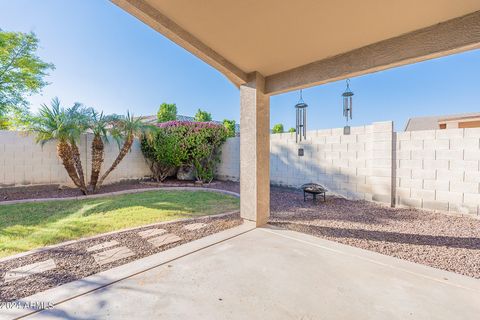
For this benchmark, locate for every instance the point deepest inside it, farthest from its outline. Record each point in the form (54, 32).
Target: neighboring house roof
(149, 119)
(153, 120)
(431, 122)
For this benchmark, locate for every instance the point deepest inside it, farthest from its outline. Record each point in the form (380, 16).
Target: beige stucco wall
(24, 162)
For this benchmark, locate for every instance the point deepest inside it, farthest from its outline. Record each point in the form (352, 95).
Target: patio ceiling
(308, 42)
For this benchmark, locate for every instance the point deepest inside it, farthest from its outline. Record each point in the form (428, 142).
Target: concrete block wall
(436, 170)
(343, 163)
(229, 167)
(439, 170)
(357, 166)
(24, 162)
(381, 178)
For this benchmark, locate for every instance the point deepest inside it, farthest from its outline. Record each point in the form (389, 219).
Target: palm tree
(65, 126)
(78, 117)
(99, 125)
(128, 128)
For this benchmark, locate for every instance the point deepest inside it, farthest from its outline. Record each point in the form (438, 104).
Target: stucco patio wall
(436, 169)
(24, 162)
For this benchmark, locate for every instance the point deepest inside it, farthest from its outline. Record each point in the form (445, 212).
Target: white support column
(254, 150)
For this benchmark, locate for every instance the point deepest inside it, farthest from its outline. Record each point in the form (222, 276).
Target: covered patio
(270, 47)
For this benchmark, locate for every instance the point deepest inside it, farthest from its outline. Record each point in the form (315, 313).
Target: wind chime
(301, 120)
(347, 106)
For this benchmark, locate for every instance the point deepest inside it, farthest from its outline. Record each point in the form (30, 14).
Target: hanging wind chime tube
(301, 120)
(347, 106)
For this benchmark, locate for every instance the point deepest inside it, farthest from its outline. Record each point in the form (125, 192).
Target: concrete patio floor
(268, 273)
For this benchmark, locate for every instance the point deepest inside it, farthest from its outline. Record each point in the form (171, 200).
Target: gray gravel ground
(438, 240)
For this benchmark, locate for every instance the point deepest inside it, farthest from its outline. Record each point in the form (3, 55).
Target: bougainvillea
(187, 143)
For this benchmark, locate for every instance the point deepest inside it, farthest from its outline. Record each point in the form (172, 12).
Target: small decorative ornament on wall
(301, 119)
(347, 96)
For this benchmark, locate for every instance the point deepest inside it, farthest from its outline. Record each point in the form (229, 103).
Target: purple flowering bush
(177, 143)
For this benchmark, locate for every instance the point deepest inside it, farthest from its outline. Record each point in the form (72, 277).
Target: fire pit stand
(314, 189)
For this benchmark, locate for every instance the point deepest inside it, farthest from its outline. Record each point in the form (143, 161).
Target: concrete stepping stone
(103, 245)
(29, 269)
(151, 232)
(112, 255)
(195, 226)
(164, 239)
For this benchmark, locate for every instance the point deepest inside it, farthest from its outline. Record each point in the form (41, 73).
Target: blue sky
(109, 60)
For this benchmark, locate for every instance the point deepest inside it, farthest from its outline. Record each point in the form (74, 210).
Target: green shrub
(278, 128)
(163, 152)
(185, 143)
(291, 130)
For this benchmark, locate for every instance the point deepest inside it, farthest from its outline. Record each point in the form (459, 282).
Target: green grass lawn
(32, 225)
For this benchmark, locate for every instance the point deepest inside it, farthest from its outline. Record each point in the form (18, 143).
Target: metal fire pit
(314, 189)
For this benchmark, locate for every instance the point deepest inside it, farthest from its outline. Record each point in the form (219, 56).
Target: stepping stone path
(151, 232)
(164, 239)
(103, 256)
(112, 255)
(195, 226)
(103, 245)
(30, 269)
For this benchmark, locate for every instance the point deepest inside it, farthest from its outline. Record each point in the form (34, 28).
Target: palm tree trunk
(97, 160)
(78, 166)
(64, 151)
(123, 152)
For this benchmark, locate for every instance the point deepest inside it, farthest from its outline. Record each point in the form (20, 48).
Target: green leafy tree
(203, 116)
(167, 112)
(291, 130)
(22, 73)
(278, 128)
(230, 126)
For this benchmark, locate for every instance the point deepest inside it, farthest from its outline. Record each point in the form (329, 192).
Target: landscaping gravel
(448, 242)
(74, 262)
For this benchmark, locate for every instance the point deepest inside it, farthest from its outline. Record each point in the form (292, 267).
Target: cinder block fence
(24, 162)
(437, 169)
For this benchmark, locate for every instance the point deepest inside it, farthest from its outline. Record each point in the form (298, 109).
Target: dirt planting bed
(57, 191)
